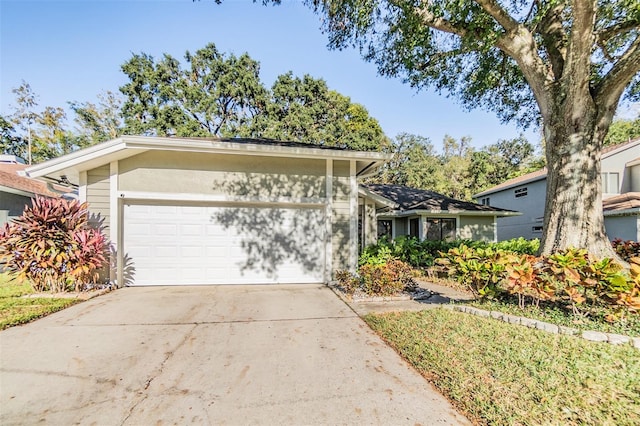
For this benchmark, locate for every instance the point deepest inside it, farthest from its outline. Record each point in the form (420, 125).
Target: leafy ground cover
(628, 325)
(16, 310)
(500, 374)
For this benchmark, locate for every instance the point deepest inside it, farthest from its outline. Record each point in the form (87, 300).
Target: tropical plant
(53, 247)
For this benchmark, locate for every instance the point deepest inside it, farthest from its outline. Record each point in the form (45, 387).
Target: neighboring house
(17, 191)
(620, 167)
(401, 210)
(222, 211)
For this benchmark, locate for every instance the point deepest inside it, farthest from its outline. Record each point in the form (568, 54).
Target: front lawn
(16, 310)
(497, 373)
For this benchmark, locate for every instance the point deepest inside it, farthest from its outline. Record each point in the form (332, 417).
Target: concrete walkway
(440, 295)
(210, 355)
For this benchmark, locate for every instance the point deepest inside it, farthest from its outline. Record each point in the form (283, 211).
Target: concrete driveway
(282, 355)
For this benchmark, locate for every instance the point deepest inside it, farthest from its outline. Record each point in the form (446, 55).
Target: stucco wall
(477, 228)
(215, 174)
(623, 227)
(98, 193)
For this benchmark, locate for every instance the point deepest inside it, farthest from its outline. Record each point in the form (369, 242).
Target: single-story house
(17, 191)
(183, 211)
(425, 214)
(622, 216)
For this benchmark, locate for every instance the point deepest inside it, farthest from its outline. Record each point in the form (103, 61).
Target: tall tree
(214, 95)
(564, 62)
(414, 163)
(102, 121)
(306, 110)
(623, 130)
(10, 142)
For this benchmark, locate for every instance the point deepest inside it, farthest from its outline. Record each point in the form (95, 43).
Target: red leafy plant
(53, 246)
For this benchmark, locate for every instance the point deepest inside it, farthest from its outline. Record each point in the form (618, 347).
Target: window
(610, 182)
(485, 201)
(440, 228)
(521, 192)
(536, 229)
(414, 227)
(385, 228)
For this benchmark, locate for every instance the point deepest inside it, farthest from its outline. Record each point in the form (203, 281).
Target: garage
(199, 211)
(201, 244)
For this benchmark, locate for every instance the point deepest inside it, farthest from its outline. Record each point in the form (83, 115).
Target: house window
(440, 228)
(521, 192)
(385, 228)
(536, 228)
(610, 182)
(414, 227)
(485, 201)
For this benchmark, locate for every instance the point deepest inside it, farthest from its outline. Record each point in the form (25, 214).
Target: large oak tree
(564, 63)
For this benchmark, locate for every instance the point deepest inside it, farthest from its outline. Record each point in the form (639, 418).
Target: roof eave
(452, 213)
(625, 212)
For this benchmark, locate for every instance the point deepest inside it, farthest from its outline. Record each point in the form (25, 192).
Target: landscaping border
(594, 336)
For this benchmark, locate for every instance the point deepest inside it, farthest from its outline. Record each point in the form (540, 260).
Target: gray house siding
(98, 193)
(531, 205)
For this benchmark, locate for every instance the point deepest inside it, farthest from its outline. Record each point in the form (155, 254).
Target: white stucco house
(620, 174)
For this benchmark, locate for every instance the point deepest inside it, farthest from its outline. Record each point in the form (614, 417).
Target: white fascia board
(377, 198)
(127, 146)
(621, 148)
(449, 213)
(226, 147)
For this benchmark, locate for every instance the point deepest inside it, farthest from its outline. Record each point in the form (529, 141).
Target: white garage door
(195, 244)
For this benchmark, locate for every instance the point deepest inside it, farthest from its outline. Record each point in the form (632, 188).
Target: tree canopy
(221, 95)
(562, 63)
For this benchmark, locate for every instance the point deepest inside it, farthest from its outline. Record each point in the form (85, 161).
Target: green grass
(15, 310)
(629, 325)
(497, 373)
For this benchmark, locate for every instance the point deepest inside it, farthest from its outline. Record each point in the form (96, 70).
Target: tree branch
(610, 89)
(581, 37)
(498, 13)
(553, 38)
(618, 28)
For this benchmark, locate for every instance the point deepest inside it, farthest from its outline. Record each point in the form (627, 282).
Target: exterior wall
(232, 175)
(341, 216)
(12, 205)
(531, 206)
(477, 228)
(623, 227)
(617, 164)
(634, 178)
(98, 194)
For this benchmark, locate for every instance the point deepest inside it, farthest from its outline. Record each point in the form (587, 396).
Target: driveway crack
(156, 373)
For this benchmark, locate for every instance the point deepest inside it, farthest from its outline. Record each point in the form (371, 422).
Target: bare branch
(498, 13)
(440, 24)
(608, 33)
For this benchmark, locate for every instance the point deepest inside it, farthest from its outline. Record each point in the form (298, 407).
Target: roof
(624, 203)
(11, 182)
(542, 173)
(71, 165)
(409, 199)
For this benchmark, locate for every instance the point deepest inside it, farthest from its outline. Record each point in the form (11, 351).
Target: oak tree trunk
(573, 214)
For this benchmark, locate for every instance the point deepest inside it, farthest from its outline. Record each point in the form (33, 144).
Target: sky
(72, 51)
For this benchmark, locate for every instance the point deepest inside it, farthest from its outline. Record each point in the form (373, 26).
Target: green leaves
(52, 246)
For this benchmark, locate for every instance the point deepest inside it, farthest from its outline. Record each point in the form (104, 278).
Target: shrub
(375, 279)
(626, 249)
(52, 246)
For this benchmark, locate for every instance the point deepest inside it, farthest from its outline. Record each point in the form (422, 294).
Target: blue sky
(72, 51)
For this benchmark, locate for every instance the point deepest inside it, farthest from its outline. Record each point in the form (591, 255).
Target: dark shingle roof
(421, 199)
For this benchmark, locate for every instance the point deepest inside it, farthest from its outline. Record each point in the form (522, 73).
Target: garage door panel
(224, 245)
